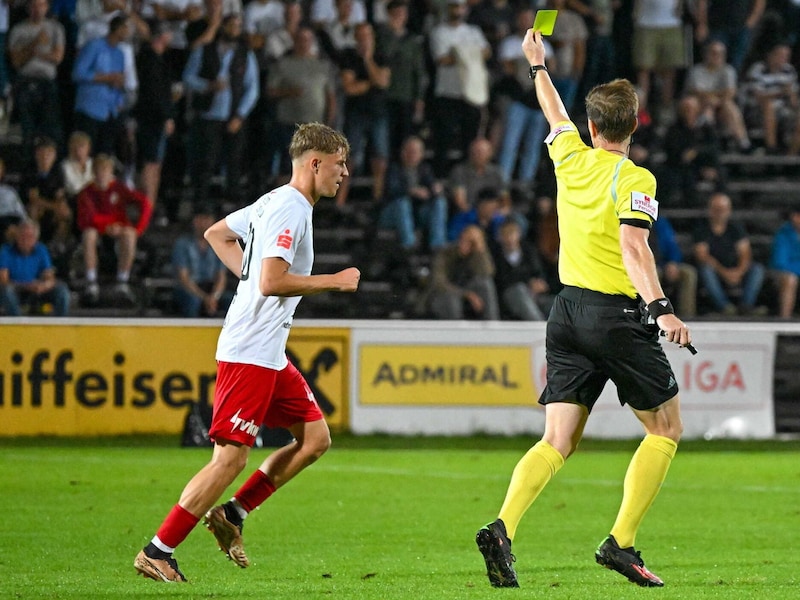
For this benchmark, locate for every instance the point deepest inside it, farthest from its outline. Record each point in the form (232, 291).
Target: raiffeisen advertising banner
(135, 377)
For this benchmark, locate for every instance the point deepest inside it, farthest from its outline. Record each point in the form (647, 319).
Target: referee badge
(645, 203)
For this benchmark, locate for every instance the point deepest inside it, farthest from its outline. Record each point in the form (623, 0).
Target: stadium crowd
(118, 103)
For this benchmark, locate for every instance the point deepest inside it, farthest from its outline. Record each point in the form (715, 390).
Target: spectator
(301, 86)
(477, 172)
(414, 199)
(43, 189)
(201, 278)
(546, 240)
(569, 42)
(485, 214)
(692, 155)
(599, 18)
(36, 48)
(724, 258)
(5, 79)
(325, 12)
(519, 276)
(461, 93)
(524, 123)
(179, 14)
(462, 283)
(99, 76)
(280, 41)
(262, 18)
(339, 34)
(27, 276)
(365, 75)
(408, 84)
(76, 168)
(678, 279)
(714, 83)
(658, 47)
(730, 21)
(786, 261)
(103, 208)
(12, 211)
(772, 100)
(223, 78)
(154, 110)
(495, 18)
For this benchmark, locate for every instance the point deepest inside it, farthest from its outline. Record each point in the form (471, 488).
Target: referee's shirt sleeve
(635, 200)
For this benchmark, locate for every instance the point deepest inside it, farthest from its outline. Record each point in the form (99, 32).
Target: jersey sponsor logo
(560, 129)
(285, 239)
(641, 202)
(249, 427)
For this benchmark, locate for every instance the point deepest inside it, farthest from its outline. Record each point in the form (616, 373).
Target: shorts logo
(641, 202)
(249, 427)
(285, 239)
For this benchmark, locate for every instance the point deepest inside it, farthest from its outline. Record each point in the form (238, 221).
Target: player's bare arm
(276, 280)
(549, 100)
(225, 243)
(641, 268)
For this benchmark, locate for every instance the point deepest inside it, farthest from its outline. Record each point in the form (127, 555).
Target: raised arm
(549, 100)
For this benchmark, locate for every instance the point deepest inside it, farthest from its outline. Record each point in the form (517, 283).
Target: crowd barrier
(91, 377)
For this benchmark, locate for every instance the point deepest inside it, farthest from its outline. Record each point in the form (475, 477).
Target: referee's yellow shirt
(596, 189)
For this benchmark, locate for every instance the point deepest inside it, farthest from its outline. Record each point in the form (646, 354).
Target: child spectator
(103, 207)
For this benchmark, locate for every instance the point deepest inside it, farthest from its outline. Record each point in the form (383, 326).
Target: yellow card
(545, 21)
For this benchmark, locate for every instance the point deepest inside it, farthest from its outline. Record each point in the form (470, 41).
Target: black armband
(534, 68)
(660, 306)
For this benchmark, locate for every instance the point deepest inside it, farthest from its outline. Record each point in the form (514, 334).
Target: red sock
(255, 490)
(178, 524)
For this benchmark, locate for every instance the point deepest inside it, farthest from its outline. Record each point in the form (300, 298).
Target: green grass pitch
(388, 518)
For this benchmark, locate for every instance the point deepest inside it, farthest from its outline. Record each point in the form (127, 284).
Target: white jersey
(257, 327)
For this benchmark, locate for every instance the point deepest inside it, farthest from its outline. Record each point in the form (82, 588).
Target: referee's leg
(648, 467)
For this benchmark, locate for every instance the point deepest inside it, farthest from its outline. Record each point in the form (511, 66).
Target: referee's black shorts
(594, 337)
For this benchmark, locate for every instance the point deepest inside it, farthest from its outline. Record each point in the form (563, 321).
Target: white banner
(728, 384)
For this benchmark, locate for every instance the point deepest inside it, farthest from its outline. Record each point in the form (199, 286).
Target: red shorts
(248, 396)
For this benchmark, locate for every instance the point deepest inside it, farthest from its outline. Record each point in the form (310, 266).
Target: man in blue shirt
(201, 277)
(786, 260)
(99, 76)
(223, 79)
(27, 275)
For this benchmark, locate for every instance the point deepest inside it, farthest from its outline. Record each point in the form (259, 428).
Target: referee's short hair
(613, 107)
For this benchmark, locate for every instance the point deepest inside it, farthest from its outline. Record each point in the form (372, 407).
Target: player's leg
(155, 560)
(240, 404)
(648, 467)
(294, 407)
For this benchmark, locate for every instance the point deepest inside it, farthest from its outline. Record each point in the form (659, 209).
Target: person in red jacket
(103, 211)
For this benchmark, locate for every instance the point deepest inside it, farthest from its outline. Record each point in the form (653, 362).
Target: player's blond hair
(612, 107)
(318, 137)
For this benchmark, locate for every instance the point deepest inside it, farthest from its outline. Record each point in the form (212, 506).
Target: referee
(597, 329)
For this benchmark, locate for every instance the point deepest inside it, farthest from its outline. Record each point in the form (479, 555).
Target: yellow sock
(646, 473)
(531, 474)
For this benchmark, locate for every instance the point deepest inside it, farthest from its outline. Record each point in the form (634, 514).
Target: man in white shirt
(256, 384)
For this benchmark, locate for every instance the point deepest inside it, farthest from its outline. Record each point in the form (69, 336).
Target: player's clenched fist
(348, 279)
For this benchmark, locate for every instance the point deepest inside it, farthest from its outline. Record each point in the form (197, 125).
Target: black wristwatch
(534, 68)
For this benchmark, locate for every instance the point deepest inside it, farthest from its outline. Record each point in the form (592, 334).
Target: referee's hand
(675, 330)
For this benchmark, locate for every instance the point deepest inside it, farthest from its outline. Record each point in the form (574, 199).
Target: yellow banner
(105, 380)
(446, 375)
